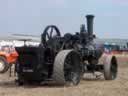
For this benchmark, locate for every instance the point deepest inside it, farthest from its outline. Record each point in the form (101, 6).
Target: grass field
(88, 87)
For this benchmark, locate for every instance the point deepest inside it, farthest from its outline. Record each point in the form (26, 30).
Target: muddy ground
(88, 87)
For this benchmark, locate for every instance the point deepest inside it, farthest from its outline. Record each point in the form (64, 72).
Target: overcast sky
(32, 16)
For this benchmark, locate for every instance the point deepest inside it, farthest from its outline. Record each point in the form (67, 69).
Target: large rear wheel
(67, 68)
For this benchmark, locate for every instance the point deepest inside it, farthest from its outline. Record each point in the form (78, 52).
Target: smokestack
(90, 24)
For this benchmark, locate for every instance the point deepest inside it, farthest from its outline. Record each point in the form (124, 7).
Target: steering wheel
(49, 33)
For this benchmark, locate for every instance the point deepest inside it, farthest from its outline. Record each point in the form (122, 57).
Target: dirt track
(92, 87)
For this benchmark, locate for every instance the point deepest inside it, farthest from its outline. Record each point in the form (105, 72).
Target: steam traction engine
(64, 59)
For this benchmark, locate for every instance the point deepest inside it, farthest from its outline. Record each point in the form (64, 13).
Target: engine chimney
(90, 24)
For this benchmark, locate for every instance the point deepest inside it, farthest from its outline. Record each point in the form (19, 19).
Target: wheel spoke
(47, 35)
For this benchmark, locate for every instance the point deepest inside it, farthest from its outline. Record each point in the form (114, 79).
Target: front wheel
(110, 68)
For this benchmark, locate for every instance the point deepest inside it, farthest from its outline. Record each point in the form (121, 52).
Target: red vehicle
(8, 56)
